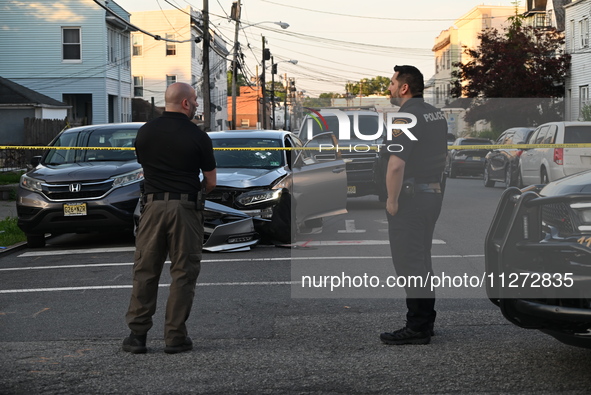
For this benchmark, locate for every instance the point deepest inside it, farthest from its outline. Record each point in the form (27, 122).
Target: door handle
(338, 170)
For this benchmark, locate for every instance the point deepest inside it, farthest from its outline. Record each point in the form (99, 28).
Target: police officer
(413, 183)
(172, 151)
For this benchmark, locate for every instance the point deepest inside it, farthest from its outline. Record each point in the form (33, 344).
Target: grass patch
(10, 177)
(10, 233)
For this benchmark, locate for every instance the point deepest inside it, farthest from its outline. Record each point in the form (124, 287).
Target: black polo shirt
(424, 158)
(172, 151)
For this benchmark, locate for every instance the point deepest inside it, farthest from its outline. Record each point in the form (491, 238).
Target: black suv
(363, 172)
(81, 190)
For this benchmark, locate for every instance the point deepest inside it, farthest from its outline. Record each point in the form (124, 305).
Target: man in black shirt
(172, 151)
(413, 182)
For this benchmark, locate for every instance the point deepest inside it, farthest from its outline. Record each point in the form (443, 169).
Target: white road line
(100, 287)
(241, 260)
(350, 227)
(132, 249)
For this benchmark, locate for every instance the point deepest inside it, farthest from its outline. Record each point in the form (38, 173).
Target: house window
(125, 51)
(71, 44)
(583, 97)
(584, 32)
(170, 79)
(112, 45)
(138, 86)
(138, 44)
(549, 18)
(540, 20)
(170, 46)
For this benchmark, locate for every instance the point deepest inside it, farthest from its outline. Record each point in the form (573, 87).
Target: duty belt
(433, 187)
(191, 197)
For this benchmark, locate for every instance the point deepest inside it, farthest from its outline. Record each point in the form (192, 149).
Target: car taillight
(519, 152)
(558, 156)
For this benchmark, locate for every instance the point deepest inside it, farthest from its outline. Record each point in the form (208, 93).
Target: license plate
(351, 190)
(74, 209)
(476, 158)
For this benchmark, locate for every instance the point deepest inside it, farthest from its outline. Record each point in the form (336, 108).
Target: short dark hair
(412, 76)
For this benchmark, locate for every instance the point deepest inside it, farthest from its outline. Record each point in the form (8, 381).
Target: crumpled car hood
(248, 178)
(83, 171)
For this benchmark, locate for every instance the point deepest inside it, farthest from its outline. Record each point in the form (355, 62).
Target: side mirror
(35, 160)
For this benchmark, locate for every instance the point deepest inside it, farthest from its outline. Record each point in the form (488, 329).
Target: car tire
(519, 182)
(35, 241)
(508, 178)
(487, 181)
(544, 177)
(452, 172)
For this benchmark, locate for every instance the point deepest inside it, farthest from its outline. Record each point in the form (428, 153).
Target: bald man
(173, 151)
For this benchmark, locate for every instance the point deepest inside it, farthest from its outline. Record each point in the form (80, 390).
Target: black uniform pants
(411, 237)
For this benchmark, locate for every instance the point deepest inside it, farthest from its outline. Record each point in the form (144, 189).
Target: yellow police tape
(343, 147)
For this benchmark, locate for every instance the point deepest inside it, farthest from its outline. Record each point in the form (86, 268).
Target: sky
(334, 41)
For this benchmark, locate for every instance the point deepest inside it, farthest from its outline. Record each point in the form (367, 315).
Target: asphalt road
(257, 332)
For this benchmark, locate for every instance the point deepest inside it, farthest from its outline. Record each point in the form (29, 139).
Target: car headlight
(128, 178)
(583, 210)
(256, 197)
(31, 184)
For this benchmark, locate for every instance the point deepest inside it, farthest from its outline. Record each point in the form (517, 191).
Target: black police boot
(135, 344)
(405, 336)
(186, 345)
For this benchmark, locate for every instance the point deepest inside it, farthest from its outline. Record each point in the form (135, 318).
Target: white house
(76, 52)
(577, 16)
(157, 63)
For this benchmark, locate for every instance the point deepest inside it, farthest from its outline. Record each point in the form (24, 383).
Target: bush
(10, 233)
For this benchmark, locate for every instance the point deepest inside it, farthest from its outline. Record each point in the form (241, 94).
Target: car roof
(128, 125)
(250, 133)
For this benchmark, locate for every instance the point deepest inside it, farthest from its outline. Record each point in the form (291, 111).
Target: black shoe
(186, 345)
(135, 344)
(405, 336)
(431, 330)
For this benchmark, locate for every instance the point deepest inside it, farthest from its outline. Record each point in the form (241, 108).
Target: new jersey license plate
(351, 190)
(74, 209)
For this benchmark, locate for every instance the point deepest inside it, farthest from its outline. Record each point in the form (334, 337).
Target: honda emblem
(75, 187)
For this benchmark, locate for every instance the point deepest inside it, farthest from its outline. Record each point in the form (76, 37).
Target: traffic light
(266, 54)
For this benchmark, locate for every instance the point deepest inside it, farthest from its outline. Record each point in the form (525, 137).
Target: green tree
(523, 63)
(369, 86)
(240, 81)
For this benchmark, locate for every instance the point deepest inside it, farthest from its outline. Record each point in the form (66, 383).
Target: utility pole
(205, 88)
(266, 56)
(273, 71)
(235, 16)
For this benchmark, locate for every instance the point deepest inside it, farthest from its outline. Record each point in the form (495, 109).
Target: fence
(40, 132)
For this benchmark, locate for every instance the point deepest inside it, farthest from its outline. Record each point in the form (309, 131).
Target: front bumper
(113, 212)
(538, 264)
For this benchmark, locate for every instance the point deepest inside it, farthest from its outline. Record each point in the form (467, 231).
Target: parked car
(543, 165)
(538, 258)
(362, 165)
(502, 164)
(79, 191)
(466, 161)
(260, 171)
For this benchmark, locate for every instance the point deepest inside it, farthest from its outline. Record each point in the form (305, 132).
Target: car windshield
(248, 153)
(100, 138)
(368, 126)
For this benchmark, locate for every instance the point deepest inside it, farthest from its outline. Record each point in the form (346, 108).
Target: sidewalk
(7, 208)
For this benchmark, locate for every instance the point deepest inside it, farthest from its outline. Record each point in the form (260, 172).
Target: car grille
(360, 161)
(87, 190)
(224, 196)
(560, 216)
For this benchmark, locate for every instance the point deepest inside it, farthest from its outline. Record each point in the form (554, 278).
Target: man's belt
(191, 197)
(433, 187)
